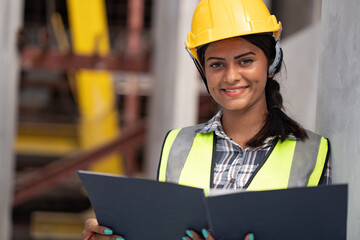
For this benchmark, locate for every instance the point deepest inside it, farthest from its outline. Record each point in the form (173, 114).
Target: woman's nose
(231, 74)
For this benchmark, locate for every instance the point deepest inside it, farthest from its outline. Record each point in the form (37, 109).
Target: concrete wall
(338, 114)
(295, 14)
(175, 100)
(299, 77)
(10, 19)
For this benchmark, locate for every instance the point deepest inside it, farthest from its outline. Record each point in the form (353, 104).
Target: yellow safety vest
(187, 158)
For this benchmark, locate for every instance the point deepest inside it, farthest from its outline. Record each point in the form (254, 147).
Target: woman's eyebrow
(216, 58)
(236, 57)
(244, 54)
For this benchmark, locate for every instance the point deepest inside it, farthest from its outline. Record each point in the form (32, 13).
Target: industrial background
(96, 84)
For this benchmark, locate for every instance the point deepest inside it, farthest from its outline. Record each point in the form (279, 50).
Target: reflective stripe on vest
(187, 159)
(184, 164)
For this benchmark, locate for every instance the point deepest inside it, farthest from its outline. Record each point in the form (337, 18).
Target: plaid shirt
(235, 165)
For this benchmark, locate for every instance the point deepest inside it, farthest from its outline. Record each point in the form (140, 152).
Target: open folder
(145, 209)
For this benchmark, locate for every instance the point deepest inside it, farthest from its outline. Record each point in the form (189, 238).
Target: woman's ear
(271, 75)
(271, 71)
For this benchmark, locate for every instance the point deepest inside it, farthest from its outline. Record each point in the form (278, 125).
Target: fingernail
(120, 239)
(205, 233)
(184, 238)
(189, 234)
(251, 237)
(108, 232)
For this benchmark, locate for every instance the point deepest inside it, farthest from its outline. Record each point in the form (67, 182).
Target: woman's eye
(245, 61)
(216, 65)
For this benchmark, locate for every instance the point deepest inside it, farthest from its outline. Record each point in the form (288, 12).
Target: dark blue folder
(146, 209)
(291, 214)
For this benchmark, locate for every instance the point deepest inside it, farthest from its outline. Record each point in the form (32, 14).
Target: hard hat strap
(199, 68)
(277, 59)
(278, 52)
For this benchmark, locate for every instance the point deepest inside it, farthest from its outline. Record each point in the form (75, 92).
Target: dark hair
(277, 122)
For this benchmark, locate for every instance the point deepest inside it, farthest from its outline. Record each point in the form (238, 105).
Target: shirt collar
(214, 125)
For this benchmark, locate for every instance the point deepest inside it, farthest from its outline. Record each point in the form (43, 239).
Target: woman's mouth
(234, 92)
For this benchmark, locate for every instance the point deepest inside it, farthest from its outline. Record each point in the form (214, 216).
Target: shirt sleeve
(326, 175)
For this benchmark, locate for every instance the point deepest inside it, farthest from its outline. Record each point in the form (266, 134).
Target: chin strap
(199, 68)
(278, 53)
(277, 59)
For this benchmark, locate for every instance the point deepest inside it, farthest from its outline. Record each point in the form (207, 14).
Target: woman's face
(236, 73)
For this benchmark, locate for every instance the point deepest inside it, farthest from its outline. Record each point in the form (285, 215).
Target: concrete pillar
(296, 15)
(338, 113)
(10, 20)
(175, 100)
(299, 77)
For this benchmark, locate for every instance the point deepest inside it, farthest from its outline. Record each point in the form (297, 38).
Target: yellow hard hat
(215, 20)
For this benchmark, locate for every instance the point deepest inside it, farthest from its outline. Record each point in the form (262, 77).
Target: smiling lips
(234, 92)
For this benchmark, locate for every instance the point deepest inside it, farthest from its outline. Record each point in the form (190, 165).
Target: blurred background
(96, 84)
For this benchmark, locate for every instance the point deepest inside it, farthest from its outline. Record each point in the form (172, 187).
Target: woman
(250, 143)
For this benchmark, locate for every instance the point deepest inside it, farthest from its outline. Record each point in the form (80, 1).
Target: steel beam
(37, 58)
(36, 182)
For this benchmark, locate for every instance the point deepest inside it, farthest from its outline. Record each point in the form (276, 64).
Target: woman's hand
(192, 235)
(100, 232)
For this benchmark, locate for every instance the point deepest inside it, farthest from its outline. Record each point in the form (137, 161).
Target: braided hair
(277, 123)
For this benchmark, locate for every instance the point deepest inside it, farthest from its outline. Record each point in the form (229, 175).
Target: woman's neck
(241, 126)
